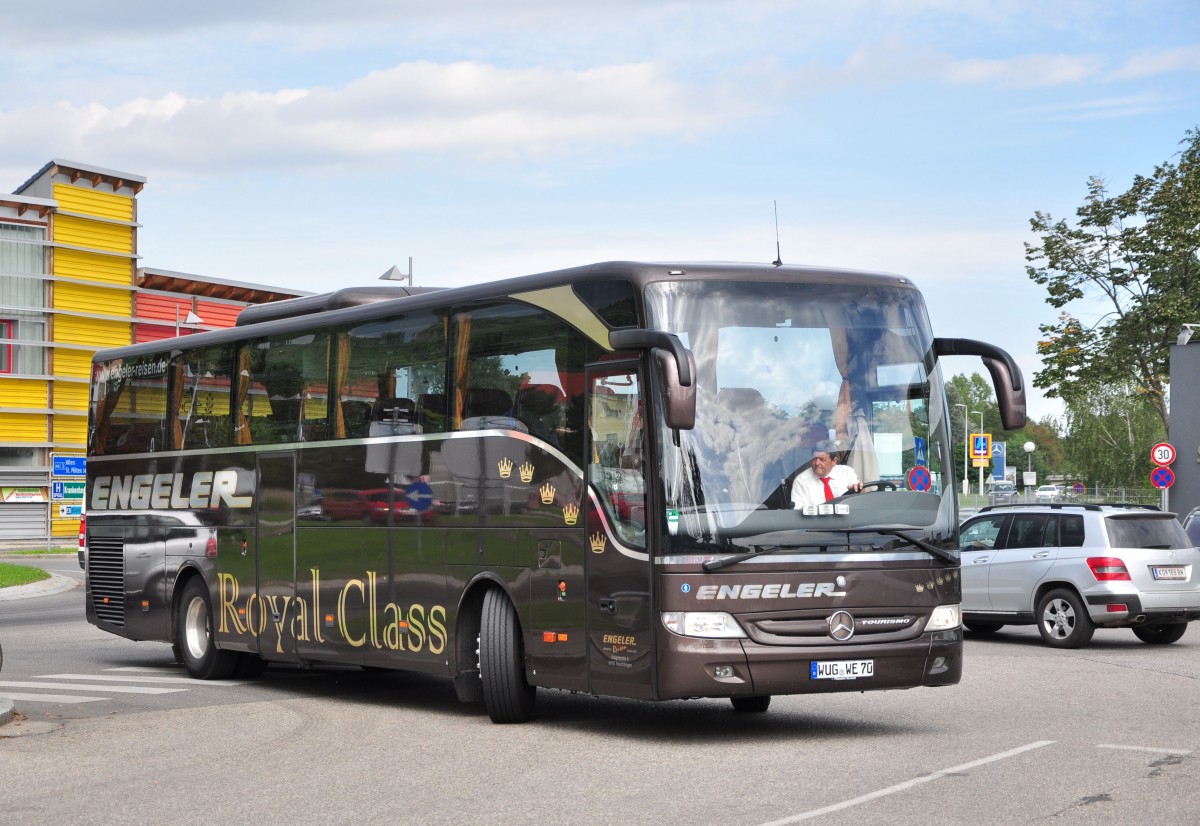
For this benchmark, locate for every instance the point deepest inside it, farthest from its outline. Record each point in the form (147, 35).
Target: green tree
(1111, 435)
(1135, 256)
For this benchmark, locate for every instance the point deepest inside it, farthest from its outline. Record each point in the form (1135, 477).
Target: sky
(314, 145)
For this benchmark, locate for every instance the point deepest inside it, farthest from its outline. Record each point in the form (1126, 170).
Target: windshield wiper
(759, 550)
(912, 540)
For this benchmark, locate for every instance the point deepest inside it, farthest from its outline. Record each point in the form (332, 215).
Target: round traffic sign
(1162, 477)
(919, 479)
(1079, 488)
(1162, 453)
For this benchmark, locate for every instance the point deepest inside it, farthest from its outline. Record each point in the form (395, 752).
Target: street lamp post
(980, 412)
(1030, 447)
(966, 449)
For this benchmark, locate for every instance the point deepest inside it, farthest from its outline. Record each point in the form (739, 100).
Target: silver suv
(1070, 569)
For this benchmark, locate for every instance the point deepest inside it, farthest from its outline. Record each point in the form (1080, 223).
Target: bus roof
(367, 303)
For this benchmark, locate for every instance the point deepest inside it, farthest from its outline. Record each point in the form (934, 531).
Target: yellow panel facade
(24, 393)
(93, 202)
(63, 527)
(70, 429)
(23, 427)
(91, 266)
(73, 363)
(69, 396)
(82, 232)
(96, 332)
(85, 298)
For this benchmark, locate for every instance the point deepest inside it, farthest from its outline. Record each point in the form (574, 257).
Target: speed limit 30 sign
(1162, 453)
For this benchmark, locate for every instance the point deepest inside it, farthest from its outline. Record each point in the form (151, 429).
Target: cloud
(469, 108)
(1148, 64)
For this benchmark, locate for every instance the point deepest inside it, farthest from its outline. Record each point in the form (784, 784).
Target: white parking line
(115, 689)
(53, 698)
(1144, 748)
(123, 679)
(908, 784)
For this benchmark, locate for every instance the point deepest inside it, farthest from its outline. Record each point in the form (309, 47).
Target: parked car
(369, 506)
(1002, 493)
(1047, 493)
(1191, 525)
(1070, 569)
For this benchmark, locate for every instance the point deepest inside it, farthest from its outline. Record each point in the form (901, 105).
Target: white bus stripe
(908, 784)
(115, 689)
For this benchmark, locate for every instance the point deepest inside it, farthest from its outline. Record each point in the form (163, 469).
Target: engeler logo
(841, 625)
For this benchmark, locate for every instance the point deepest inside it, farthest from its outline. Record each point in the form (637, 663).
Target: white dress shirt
(808, 489)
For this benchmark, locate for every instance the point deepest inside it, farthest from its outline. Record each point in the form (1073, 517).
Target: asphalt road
(1104, 735)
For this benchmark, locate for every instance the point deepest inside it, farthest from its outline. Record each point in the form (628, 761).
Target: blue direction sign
(1162, 477)
(419, 496)
(68, 465)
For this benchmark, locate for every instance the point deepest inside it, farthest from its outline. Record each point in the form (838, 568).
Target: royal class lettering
(773, 590)
(359, 617)
(168, 491)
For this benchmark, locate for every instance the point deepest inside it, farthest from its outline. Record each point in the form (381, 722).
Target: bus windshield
(786, 370)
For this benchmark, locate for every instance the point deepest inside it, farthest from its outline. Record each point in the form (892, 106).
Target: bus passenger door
(276, 609)
(619, 622)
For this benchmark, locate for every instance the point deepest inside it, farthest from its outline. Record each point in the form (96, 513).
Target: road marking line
(908, 784)
(1144, 748)
(150, 668)
(116, 689)
(122, 679)
(53, 698)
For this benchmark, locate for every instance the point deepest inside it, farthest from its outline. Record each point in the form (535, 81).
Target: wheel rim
(195, 629)
(1058, 619)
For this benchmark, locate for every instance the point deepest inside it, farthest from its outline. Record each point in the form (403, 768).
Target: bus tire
(249, 666)
(193, 628)
(751, 705)
(507, 696)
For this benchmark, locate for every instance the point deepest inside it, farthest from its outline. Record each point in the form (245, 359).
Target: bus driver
(825, 479)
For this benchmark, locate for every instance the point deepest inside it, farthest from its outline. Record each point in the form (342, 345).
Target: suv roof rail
(1088, 506)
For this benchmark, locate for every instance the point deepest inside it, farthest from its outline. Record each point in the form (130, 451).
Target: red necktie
(828, 490)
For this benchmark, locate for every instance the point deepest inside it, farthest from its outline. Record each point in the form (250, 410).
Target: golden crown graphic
(526, 472)
(547, 491)
(571, 513)
(505, 467)
(598, 540)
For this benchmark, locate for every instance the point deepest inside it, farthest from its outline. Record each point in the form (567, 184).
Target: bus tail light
(210, 547)
(1108, 569)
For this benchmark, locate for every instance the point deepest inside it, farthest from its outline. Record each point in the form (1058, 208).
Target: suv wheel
(1160, 634)
(1063, 620)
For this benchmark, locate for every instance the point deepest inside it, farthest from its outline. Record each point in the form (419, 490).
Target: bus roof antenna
(778, 262)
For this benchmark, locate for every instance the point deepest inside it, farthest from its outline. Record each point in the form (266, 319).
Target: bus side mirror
(679, 401)
(1006, 376)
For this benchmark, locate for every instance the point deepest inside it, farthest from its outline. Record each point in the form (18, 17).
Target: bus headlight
(711, 624)
(944, 617)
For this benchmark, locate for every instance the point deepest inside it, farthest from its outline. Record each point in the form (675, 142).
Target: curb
(7, 713)
(56, 584)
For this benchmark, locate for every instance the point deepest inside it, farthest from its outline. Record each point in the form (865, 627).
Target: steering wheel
(882, 484)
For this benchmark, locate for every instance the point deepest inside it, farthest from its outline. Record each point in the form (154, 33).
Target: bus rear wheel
(751, 705)
(507, 696)
(194, 636)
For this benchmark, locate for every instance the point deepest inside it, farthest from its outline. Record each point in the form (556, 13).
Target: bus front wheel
(194, 636)
(507, 696)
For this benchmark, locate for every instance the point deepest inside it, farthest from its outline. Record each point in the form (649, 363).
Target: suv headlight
(710, 624)
(944, 617)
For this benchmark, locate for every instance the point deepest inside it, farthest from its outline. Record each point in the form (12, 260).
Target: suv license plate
(842, 669)
(1172, 572)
